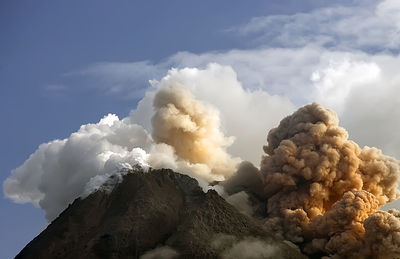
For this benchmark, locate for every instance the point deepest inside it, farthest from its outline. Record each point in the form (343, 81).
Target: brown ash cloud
(323, 191)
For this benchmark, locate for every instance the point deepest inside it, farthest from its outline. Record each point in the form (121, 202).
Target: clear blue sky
(44, 43)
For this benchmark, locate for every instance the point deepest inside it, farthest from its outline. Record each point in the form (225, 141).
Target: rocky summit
(157, 214)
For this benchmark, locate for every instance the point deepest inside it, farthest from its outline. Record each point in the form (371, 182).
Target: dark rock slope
(147, 210)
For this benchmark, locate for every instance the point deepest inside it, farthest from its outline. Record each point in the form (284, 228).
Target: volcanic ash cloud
(193, 130)
(323, 191)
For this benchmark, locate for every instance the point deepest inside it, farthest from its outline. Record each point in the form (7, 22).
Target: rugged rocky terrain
(158, 214)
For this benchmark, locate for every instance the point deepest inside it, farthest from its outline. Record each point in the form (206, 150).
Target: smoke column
(193, 130)
(323, 191)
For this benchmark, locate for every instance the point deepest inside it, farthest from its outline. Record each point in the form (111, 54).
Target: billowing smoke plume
(187, 139)
(314, 187)
(193, 130)
(62, 170)
(323, 190)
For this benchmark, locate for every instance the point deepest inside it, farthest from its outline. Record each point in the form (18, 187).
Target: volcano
(156, 214)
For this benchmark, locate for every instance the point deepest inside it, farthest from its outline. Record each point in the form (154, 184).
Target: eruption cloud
(193, 130)
(62, 170)
(314, 187)
(186, 137)
(322, 190)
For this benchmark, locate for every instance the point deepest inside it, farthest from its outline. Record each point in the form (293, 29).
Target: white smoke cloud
(334, 82)
(250, 247)
(238, 107)
(108, 181)
(62, 170)
(247, 249)
(58, 171)
(241, 202)
(163, 252)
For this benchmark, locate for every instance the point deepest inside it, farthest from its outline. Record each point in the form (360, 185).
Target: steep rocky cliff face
(158, 214)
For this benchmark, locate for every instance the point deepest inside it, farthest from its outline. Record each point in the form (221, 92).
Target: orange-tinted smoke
(193, 130)
(320, 186)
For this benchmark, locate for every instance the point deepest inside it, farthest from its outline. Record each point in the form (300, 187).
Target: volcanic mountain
(156, 214)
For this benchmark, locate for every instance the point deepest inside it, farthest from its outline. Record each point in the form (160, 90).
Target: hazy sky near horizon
(65, 64)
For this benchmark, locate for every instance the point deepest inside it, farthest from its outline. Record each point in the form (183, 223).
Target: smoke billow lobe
(382, 233)
(193, 130)
(321, 187)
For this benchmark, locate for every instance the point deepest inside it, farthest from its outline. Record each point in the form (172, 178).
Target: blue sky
(67, 63)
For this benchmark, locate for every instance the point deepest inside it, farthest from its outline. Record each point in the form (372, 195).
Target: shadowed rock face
(144, 211)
